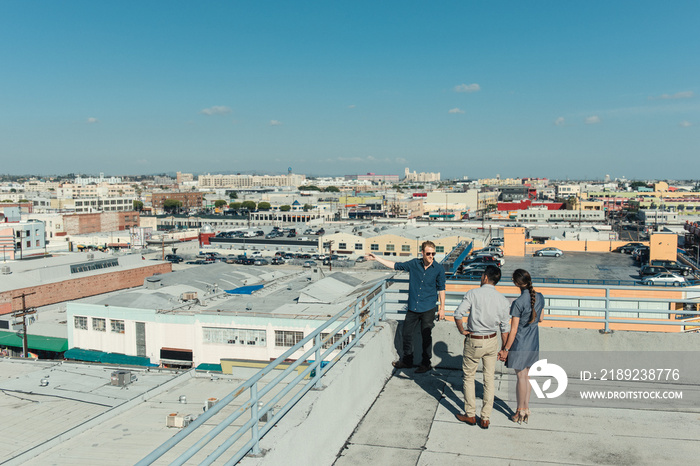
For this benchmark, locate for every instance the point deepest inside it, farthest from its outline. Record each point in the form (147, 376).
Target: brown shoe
(471, 420)
(484, 423)
(423, 369)
(401, 365)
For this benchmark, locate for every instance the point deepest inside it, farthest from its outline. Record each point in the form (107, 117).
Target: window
(80, 322)
(117, 326)
(374, 247)
(342, 245)
(389, 247)
(99, 325)
(29, 243)
(287, 338)
(358, 246)
(439, 249)
(234, 336)
(336, 337)
(405, 248)
(94, 265)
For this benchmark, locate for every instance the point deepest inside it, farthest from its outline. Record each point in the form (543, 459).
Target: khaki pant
(475, 350)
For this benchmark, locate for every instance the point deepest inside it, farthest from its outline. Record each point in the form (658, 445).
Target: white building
(420, 177)
(249, 181)
(542, 214)
(186, 318)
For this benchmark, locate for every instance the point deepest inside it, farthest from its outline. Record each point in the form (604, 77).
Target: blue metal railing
(365, 313)
(588, 310)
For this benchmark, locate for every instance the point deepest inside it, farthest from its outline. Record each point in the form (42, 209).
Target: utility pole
(23, 313)
(330, 256)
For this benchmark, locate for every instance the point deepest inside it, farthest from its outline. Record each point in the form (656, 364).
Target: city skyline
(522, 89)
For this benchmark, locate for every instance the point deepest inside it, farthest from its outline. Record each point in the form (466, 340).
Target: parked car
(174, 258)
(553, 252)
(672, 266)
(666, 278)
(497, 242)
(291, 234)
(628, 248)
(484, 259)
(277, 261)
(361, 259)
(473, 274)
(309, 264)
(649, 270)
(490, 250)
(247, 261)
(200, 262)
(261, 261)
(476, 266)
(320, 231)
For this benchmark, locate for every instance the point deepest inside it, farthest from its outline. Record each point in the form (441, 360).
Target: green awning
(84, 355)
(125, 359)
(34, 342)
(79, 354)
(205, 366)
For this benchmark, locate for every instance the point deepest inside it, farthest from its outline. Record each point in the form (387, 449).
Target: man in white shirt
(488, 313)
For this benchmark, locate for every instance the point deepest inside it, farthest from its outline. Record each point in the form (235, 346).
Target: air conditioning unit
(121, 378)
(90, 256)
(178, 420)
(189, 295)
(6, 270)
(211, 402)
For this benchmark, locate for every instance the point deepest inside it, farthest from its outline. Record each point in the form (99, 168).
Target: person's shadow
(445, 381)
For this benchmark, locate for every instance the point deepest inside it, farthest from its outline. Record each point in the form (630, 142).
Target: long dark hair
(523, 280)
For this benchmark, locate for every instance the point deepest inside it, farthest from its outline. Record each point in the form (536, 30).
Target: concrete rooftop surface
(412, 422)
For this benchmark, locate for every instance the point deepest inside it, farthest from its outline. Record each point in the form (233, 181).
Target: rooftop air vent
(189, 295)
(6, 270)
(90, 256)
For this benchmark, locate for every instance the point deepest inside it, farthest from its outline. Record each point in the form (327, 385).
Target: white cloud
(467, 88)
(592, 120)
(455, 110)
(685, 124)
(92, 120)
(559, 121)
(351, 106)
(677, 95)
(216, 110)
(275, 123)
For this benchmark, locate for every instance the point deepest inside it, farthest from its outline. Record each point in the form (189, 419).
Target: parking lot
(580, 265)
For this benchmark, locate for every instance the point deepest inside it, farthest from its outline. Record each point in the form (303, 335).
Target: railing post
(254, 414)
(317, 376)
(606, 329)
(383, 305)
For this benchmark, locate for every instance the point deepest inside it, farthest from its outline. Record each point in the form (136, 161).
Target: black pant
(426, 320)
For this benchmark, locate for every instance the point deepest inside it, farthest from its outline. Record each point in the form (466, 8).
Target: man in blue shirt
(426, 284)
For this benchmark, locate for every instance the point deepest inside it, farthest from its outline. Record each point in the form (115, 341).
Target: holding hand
(502, 355)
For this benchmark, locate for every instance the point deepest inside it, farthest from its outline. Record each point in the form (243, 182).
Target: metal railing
(360, 317)
(364, 313)
(588, 311)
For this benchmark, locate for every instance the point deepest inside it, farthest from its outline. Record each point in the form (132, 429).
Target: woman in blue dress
(522, 348)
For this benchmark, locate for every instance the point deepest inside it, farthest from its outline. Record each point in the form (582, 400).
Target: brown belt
(482, 337)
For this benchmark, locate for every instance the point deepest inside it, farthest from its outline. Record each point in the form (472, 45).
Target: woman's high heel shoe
(518, 416)
(525, 415)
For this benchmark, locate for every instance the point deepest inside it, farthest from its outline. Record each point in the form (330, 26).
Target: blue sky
(516, 88)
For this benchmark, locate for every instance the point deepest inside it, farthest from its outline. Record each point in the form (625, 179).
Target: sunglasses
(429, 253)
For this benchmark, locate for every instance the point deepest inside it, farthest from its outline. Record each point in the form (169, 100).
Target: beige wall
(514, 241)
(663, 246)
